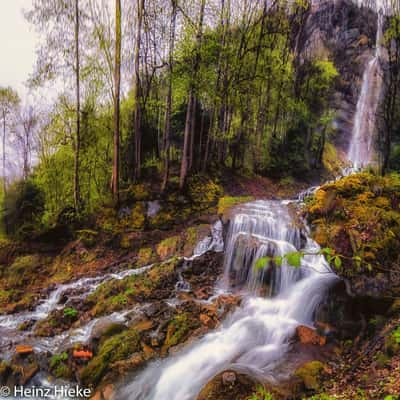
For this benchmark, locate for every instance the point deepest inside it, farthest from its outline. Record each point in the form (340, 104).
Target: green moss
(169, 247)
(227, 202)
(117, 294)
(331, 160)
(59, 366)
(138, 217)
(203, 192)
(138, 192)
(115, 348)
(23, 270)
(310, 374)
(392, 342)
(358, 216)
(145, 256)
(177, 330)
(88, 237)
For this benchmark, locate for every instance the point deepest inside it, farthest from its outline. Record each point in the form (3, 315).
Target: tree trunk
(189, 117)
(168, 108)
(77, 197)
(138, 111)
(117, 81)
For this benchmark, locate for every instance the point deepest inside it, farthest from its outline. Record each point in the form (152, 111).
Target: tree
(28, 121)
(117, 83)
(190, 112)
(9, 102)
(140, 4)
(168, 105)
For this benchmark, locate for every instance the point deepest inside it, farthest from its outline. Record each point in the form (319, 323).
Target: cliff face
(345, 34)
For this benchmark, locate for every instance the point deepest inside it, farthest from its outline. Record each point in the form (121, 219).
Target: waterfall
(361, 146)
(258, 334)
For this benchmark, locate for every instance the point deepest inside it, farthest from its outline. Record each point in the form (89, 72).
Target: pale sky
(17, 45)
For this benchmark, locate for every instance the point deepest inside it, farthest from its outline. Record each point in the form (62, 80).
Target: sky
(18, 42)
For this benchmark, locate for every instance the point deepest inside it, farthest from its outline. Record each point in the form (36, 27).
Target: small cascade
(360, 152)
(258, 334)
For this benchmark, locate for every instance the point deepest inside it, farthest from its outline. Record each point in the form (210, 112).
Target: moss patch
(113, 349)
(310, 374)
(359, 217)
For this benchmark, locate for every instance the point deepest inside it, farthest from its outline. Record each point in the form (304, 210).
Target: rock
(230, 385)
(229, 378)
(144, 325)
(307, 335)
(206, 320)
(28, 372)
(109, 392)
(148, 352)
(23, 349)
(310, 374)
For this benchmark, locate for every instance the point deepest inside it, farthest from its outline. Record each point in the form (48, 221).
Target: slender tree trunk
(138, 111)
(168, 108)
(192, 133)
(4, 169)
(77, 197)
(184, 164)
(189, 117)
(117, 81)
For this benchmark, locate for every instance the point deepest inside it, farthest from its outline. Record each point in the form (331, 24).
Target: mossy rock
(88, 237)
(226, 203)
(179, 329)
(392, 342)
(203, 191)
(192, 236)
(138, 192)
(23, 270)
(145, 256)
(310, 374)
(169, 247)
(113, 349)
(118, 294)
(138, 216)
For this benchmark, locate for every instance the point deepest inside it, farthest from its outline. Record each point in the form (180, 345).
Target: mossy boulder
(359, 217)
(226, 203)
(203, 192)
(178, 330)
(145, 256)
(310, 374)
(169, 247)
(392, 342)
(118, 294)
(88, 237)
(111, 350)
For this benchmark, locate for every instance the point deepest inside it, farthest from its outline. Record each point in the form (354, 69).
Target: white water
(259, 333)
(10, 335)
(360, 152)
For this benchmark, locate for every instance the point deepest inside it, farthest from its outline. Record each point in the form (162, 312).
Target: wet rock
(311, 374)
(229, 378)
(229, 385)
(308, 335)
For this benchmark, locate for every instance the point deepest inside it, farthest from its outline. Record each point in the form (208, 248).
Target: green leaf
(338, 262)
(294, 259)
(262, 262)
(326, 250)
(278, 261)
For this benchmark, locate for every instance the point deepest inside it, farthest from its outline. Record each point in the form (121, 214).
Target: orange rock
(22, 349)
(148, 351)
(82, 354)
(206, 320)
(144, 325)
(308, 335)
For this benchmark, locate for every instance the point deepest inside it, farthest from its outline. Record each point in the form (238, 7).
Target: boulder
(308, 335)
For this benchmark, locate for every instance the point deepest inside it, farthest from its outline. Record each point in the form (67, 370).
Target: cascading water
(258, 334)
(361, 146)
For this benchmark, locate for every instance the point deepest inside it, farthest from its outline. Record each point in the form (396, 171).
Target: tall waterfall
(361, 146)
(258, 334)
